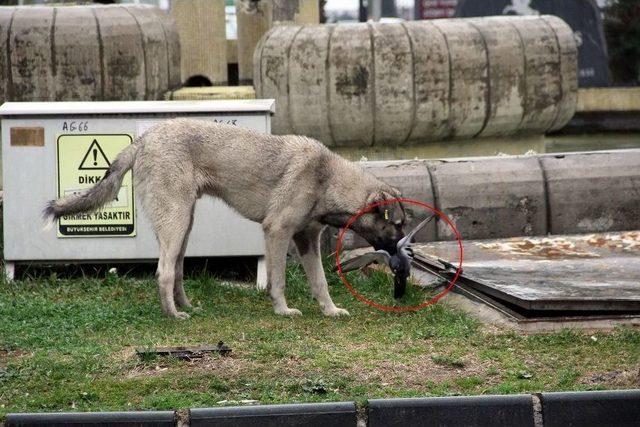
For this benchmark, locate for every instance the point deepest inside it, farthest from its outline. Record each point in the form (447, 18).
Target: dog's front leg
(308, 244)
(277, 242)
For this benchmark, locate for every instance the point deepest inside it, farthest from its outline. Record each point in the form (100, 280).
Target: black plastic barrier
(493, 411)
(600, 408)
(93, 419)
(306, 414)
(619, 408)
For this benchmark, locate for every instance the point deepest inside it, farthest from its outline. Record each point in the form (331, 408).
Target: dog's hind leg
(179, 296)
(308, 244)
(171, 220)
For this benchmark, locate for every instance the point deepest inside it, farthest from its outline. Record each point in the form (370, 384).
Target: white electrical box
(50, 149)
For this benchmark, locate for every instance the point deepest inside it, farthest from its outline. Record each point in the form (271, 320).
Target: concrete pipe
(499, 197)
(593, 192)
(489, 198)
(390, 84)
(87, 53)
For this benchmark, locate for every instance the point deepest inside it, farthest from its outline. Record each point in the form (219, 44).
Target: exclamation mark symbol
(95, 157)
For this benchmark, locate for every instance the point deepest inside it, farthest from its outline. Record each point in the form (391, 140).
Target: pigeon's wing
(407, 239)
(361, 261)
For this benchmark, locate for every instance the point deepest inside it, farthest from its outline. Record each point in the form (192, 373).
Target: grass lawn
(68, 344)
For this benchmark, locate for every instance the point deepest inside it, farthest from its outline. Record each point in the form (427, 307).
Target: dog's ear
(392, 212)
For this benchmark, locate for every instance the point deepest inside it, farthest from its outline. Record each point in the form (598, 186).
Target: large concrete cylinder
(87, 53)
(398, 83)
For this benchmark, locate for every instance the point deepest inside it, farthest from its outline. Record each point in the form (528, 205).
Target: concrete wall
(256, 17)
(87, 53)
(209, 93)
(606, 110)
(203, 39)
(608, 99)
(494, 197)
(392, 84)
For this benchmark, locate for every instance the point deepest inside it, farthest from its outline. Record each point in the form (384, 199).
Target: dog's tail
(100, 194)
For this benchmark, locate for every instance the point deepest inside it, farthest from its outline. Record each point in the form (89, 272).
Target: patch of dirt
(490, 328)
(351, 346)
(418, 371)
(7, 355)
(290, 366)
(227, 367)
(629, 378)
(127, 353)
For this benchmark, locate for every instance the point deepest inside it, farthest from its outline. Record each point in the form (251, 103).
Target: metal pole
(376, 9)
(389, 8)
(362, 10)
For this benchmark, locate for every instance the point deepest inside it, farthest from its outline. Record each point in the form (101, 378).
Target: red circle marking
(382, 307)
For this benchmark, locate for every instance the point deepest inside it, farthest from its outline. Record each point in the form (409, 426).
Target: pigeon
(400, 262)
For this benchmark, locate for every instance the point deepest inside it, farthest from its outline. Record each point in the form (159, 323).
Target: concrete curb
(593, 192)
(605, 110)
(208, 93)
(491, 198)
(592, 408)
(608, 99)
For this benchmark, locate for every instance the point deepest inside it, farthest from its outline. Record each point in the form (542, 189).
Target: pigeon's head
(383, 225)
(398, 259)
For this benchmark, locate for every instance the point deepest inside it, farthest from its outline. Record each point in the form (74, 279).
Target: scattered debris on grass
(524, 375)
(315, 387)
(621, 378)
(247, 402)
(183, 353)
(448, 361)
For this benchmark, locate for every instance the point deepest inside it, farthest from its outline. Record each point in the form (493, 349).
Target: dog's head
(383, 225)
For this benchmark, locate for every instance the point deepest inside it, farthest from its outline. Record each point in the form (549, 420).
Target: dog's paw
(181, 315)
(288, 312)
(336, 312)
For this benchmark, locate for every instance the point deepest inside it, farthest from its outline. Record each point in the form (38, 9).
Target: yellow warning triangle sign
(94, 159)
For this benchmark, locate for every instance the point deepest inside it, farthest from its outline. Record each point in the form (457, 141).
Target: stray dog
(294, 186)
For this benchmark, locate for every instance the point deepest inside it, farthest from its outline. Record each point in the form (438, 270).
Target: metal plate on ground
(594, 272)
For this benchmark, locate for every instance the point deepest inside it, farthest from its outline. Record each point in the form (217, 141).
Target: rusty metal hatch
(579, 275)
